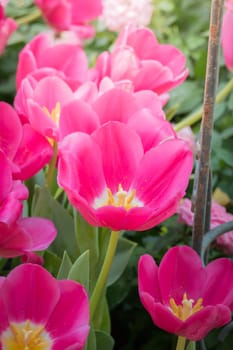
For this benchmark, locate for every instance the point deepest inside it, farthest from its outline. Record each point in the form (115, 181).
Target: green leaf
(104, 341)
(51, 262)
(91, 341)
(65, 267)
(80, 270)
(44, 205)
(191, 345)
(124, 250)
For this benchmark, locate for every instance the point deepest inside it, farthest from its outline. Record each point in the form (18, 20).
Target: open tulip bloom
(114, 183)
(184, 297)
(41, 313)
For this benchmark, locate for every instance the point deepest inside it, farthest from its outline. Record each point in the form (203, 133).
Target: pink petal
(10, 129)
(5, 178)
(51, 90)
(77, 116)
(80, 166)
(115, 104)
(180, 272)
(148, 277)
(151, 129)
(13, 240)
(163, 173)
(37, 294)
(74, 306)
(33, 153)
(41, 232)
(215, 292)
(201, 323)
(117, 218)
(121, 160)
(227, 38)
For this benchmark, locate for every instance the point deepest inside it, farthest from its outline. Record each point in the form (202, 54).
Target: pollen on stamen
(186, 308)
(122, 198)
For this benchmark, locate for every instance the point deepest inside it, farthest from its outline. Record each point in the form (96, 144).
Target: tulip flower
(184, 297)
(47, 314)
(137, 56)
(227, 34)
(7, 27)
(118, 14)
(40, 103)
(18, 235)
(42, 57)
(71, 14)
(219, 216)
(114, 183)
(26, 149)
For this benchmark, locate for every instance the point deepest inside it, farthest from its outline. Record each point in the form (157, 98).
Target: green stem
(29, 18)
(51, 167)
(103, 276)
(181, 341)
(196, 116)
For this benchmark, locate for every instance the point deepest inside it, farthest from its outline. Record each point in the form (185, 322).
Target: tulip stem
(181, 341)
(51, 167)
(29, 18)
(196, 116)
(202, 175)
(103, 276)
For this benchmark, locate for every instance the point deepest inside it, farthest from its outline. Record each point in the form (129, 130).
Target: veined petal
(5, 178)
(163, 173)
(74, 303)
(80, 168)
(37, 294)
(121, 160)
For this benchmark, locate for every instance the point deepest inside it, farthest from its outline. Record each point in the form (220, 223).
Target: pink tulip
(46, 314)
(182, 296)
(138, 57)
(42, 57)
(7, 27)
(110, 179)
(71, 14)
(19, 236)
(219, 216)
(227, 34)
(142, 111)
(26, 149)
(41, 102)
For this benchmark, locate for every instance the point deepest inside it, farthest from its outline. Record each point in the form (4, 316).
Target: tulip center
(54, 114)
(122, 198)
(25, 336)
(187, 307)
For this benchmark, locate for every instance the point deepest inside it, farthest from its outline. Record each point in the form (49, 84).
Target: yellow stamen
(187, 309)
(122, 198)
(54, 114)
(25, 336)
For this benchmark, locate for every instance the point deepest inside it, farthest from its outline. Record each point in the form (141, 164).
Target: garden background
(185, 24)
